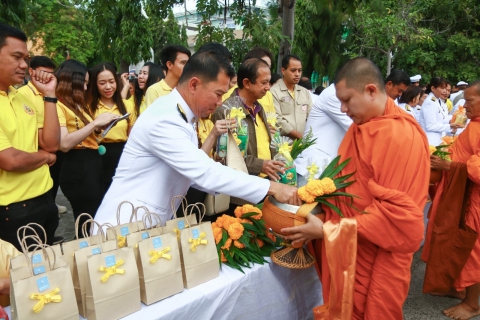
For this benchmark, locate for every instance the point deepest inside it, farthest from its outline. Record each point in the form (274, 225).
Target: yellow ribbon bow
(110, 271)
(284, 150)
(312, 171)
(237, 113)
(121, 241)
(196, 242)
(53, 296)
(177, 232)
(156, 255)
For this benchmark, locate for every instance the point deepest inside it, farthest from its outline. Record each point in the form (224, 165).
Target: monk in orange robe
(466, 149)
(389, 153)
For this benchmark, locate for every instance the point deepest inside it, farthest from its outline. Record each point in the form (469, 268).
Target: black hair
(319, 90)
(258, 53)
(410, 94)
(216, 48)
(206, 66)
(359, 72)
(155, 74)
(305, 82)
(398, 77)
(275, 77)
(42, 61)
(93, 94)
(287, 58)
(249, 70)
(436, 82)
(170, 52)
(7, 31)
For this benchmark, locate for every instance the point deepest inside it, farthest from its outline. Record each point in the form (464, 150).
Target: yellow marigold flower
(432, 149)
(238, 212)
(315, 188)
(260, 243)
(235, 231)
(328, 185)
(246, 221)
(219, 222)
(228, 221)
(214, 225)
(238, 244)
(227, 244)
(218, 238)
(222, 257)
(305, 195)
(271, 236)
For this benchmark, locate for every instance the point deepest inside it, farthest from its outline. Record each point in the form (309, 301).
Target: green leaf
(331, 206)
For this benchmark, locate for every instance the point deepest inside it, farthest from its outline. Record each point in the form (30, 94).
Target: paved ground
(417, 307)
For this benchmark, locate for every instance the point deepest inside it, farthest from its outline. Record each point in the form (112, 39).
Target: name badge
(110, 261)
(157, 242)
(43, 284)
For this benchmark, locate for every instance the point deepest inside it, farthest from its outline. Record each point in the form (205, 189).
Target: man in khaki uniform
(292, 102)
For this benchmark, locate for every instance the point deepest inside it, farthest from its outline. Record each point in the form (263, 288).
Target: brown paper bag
(80, 270)
(178, 224)
(113, 289)
(122, 230)
(199, 253)
(159, 267)
(46, 295)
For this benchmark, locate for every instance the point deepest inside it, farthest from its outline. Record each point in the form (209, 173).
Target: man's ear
(371, 89)
(193, 84)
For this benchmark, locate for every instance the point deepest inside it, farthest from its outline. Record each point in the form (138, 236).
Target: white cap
(415, 79)
(462, 83)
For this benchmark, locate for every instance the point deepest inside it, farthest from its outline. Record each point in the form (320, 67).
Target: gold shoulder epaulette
(182, 112)
(433, 99)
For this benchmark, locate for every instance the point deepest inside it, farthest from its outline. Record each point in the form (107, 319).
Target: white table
(263, 292)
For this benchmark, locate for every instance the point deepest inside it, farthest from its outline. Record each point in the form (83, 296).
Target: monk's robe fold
(466, 149)
(391, 158)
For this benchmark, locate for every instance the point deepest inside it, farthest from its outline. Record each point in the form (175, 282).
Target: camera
(132, 76)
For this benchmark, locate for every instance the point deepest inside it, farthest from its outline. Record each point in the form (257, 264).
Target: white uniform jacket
(413, 111)
(434, 119)
(161, 160)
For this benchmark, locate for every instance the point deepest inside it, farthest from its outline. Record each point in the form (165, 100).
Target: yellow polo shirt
(68, 119)
(119, 132)
(143, 105)
(31, 93)
(156, 91)
(266, 101)
(19, 130)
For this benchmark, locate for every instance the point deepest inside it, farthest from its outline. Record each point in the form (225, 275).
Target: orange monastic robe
(391, 159)
(466, 149)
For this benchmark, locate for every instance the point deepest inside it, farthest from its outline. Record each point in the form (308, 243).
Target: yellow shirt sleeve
(130, 106)
(4, 141)
(152, 94)
(61, 116)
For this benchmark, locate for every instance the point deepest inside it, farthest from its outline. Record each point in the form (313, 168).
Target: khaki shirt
(292, 113)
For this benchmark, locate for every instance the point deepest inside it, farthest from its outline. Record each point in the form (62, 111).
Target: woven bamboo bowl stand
(278, 216)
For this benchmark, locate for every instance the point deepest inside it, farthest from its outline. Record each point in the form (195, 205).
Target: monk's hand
(437, 163)
(305, 233)
(284, 193)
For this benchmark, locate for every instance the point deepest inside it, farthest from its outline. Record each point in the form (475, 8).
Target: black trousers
(110, 161)
(41, 210)
(55, 173)
(193, 196)
(81, 182)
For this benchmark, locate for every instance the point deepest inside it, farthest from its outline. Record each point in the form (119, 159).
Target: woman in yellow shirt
(103, 97)
(81, 173)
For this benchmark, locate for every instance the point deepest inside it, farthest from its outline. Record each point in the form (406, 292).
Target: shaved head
(476, 85)
(359, 72)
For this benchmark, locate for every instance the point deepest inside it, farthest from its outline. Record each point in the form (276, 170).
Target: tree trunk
(389, 61)
(288, 11)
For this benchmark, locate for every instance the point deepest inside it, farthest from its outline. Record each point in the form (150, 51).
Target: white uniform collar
(188, 112)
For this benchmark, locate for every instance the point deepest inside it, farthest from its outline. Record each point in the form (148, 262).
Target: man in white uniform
(161, 158)
(329, 125)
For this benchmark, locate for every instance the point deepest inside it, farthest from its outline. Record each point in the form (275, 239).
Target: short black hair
(319, 90)
(275, 77)
(358, 72)
(42, 61)
(398, 77)
(436, 82)
(410, 94)
(7, 31)
(206, 66)
(305, 82)
(287, 58)
(170, 52)
(258, 53)
(249, 70)
(216, 48)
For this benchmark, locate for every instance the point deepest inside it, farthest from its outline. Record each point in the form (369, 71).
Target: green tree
(13, 12)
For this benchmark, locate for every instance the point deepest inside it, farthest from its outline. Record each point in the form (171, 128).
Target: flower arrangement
(328, 185)
(442, 150)
(243, 239)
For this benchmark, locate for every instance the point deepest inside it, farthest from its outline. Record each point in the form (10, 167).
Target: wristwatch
(50, 99)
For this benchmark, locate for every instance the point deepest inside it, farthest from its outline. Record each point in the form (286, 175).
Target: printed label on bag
(83, 244)
(96, 251)
(39, 270)
(124, 231)
(43, 284)
(110, 261)
(195, 233)
(145, 235)
(157, 242)
(181, 225)
(37, 258)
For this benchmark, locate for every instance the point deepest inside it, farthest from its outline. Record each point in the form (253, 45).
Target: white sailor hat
(462, 83)
(415, 79)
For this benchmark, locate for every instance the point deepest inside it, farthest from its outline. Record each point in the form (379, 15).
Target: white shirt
(329, 126)
(453, 95)
(413, 111)
(161, 160)
(434, 119)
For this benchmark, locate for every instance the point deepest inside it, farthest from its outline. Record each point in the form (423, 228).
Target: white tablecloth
(263, 292)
